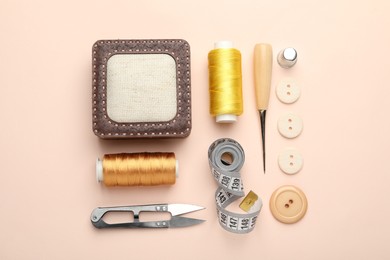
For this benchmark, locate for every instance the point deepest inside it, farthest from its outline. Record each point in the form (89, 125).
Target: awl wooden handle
(263, 74)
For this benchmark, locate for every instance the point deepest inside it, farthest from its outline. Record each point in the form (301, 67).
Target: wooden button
(290, 161)
(288, 204)
(288, 91)
(290, 125)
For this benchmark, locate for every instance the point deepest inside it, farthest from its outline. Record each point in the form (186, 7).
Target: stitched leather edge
(103, 126)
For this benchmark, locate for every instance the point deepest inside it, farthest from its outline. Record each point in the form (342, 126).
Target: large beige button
(288, 204)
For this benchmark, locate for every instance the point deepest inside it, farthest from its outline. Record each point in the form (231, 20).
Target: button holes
(288, 85)
(291, 164)
(287, 205)
(290, 120)
(290, 128)
(289, 93)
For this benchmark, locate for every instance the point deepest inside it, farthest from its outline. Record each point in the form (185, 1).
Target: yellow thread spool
(225, 82)
(137, 169)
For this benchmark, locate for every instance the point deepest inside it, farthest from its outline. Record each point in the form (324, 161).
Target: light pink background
(48, 150)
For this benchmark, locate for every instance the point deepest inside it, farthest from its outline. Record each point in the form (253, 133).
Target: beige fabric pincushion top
(141, 88)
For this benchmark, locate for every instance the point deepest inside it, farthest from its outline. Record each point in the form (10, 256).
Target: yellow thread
(225, 81)
(139, 169)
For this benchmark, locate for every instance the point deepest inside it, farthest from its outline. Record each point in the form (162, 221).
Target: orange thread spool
(137, 169)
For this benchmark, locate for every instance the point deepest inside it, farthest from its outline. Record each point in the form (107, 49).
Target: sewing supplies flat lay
(226, 158)
(263, 76)
(141, 88)
(176, 221)
(225, 82)
(137, 169)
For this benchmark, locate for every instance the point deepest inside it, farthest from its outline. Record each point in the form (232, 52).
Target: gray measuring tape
(227, 174)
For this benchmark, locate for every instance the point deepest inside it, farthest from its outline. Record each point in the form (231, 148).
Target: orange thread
(139, 169)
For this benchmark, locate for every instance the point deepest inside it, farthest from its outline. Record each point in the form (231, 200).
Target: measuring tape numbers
(226, 158)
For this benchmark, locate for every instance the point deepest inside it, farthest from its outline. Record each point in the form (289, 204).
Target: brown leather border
(103, 126)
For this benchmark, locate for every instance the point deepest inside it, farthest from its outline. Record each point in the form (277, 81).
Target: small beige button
(290, 125)
(290, 161)
(288, 91)
(288, 204)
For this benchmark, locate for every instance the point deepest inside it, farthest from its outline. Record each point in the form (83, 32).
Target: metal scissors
(175, 221)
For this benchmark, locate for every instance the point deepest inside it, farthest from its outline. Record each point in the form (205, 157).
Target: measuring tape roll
(226, 158)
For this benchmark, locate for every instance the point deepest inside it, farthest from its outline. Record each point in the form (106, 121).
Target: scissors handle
(98, 213)
(150, 224)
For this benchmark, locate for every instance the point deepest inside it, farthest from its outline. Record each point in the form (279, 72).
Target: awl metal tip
(262, 114)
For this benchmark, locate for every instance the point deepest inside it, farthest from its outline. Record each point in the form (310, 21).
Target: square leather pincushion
(141, 88)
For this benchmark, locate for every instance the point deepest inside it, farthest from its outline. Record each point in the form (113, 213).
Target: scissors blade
(179, 209)
(176, 222)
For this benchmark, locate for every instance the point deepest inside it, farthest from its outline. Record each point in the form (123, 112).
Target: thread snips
(174, 209)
